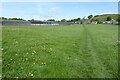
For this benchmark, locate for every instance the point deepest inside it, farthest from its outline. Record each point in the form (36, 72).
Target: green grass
(76, 51)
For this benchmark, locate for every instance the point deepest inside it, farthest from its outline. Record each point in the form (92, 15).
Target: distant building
(76, 22)
(94, 22)
(107, 22)
(114, 21)
(15, 22)
(111, 22)
(86, 22)
(35, 22)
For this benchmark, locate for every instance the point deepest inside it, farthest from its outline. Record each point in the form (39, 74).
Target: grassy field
(76, 51)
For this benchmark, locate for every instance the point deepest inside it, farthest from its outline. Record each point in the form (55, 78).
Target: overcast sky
(56, 10)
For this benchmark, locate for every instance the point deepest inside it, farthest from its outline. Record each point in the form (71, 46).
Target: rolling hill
(104, 16)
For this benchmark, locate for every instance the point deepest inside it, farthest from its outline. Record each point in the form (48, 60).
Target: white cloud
(54, 9)
(108, 13)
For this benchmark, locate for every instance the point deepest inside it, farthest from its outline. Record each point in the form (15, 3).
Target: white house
(95, 22)
(114, 21)
(111, 22)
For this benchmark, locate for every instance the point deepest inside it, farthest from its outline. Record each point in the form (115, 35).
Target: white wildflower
(17, 77)
(31, 75)
(26, 59)
(34, 63)
(32, 53)
(2, 49)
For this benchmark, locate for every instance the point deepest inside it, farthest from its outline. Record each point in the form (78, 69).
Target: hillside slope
(104, 16)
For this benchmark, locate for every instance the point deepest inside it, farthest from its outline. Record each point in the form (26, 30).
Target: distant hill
(104, 16)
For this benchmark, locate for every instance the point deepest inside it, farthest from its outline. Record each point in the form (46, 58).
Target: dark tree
(68, 20)
(78, 19)
(51, 20)
(63, 20)
(57, 21)
(98, 21)
(108, 18)
(3, 18)
(118, 19)
(92, 20)
(90, 16)
(72, 20)
(15, 19)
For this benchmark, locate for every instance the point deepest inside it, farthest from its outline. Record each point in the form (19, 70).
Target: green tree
(57, 21)
(51, 20)
(90, 16)
(118, 19)
(68, 20)
(3, 18)
(78, 19)
(108, 18)
(72, 20)
(83, 20)
(98, 21)
(63, 20)
(15, 19)
(92, 20)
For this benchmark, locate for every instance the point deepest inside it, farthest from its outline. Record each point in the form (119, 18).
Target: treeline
(64, 20)
(3, 18)
(89, 18)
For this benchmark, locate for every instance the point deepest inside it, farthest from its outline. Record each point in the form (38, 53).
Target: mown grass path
(100, 64)
(90, 49)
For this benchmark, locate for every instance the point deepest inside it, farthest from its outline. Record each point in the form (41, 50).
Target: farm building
(38, 22)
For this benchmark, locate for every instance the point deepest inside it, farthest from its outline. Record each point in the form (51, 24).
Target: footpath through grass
(76, 51)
